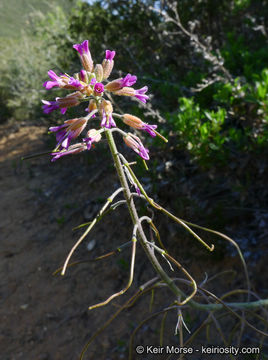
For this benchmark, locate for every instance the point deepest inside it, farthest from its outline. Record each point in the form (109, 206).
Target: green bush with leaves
(26, 59)
(240, 121)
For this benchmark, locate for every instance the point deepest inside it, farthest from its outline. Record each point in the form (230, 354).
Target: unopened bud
(88, 90)
(83, 76)
(98, 72)
(90, 76)
(107, 66)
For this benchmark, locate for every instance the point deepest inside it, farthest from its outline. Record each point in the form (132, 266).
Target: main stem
(150, 251)
(135, 218)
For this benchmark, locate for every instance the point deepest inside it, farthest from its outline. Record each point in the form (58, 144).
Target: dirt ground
(46, 317)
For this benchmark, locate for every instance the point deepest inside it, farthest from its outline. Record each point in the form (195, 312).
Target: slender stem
(135, 218)
(103, 303)
(108, 202)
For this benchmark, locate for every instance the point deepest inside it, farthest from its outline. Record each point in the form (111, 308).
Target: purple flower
(73, 149)
(74, 84)
(62, 81)
(57, 81)
(128, 80)
(93, 135)
(129, 91)
(68, 131)
(149, 129)
(137, 123)
(85, 55)
(62, 103)
(108, 64)
(109, 55)
(98, 88)
(139, 94)
(107, 120)
(135, 143)
(82, 48)
(106, 109)
(50, 106)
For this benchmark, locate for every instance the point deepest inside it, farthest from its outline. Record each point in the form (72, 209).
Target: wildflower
(85, 55)
(128, 80)
(109, 55)
(93, 135)
(62, 81)
(73, 149)
(118, 84)
(71, 129)
(129, 91)
(108, 64)
(106, 110)
(98, 89)
(137, 123)
(62, 103)
(139, 94)
(135, 143)
(50, 106)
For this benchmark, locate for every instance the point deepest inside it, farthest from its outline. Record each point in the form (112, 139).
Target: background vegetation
(205, 63)
(208, 72)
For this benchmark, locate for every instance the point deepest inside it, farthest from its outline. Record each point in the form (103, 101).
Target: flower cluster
(91, 84)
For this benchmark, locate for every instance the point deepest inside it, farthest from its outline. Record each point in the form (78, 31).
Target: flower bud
(98, 72)
(106, 114)
(83, 76)
(88, 90)
(85, 55)
(107, 66)
(91, 76)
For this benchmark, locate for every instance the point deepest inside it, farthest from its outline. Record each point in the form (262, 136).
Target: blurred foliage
(26, 58)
